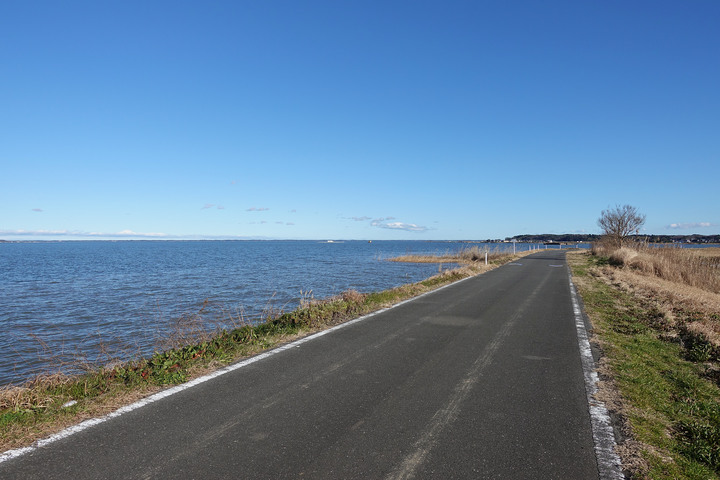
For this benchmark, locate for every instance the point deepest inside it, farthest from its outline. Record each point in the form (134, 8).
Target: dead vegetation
(466, 256)
(683, 284)
(686, 266)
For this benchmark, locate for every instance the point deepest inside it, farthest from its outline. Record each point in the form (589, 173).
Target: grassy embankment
(656, 317)
(51, 402)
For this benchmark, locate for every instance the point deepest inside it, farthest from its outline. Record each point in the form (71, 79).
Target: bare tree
(620, 222)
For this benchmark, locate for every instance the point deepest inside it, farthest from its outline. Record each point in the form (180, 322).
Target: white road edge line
(15, 453)
(609, 465)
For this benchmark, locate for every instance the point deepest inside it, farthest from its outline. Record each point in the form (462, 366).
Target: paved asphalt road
(481, 379)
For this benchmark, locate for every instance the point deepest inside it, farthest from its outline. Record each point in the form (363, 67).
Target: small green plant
(699, 351)
(701, 441)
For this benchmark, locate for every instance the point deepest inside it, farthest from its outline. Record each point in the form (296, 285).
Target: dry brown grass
(685, 308)
(466, 256)
(712, 252)
(31, 395)
(685, 266)
(682, 284)
(462, 257)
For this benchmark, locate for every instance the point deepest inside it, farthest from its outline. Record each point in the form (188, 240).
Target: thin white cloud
(257, 209)
(380, 222)
(130, 233)
(385, 222)
(408, 227)
(688, 226)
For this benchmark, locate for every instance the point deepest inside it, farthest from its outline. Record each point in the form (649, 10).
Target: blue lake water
(64, 303)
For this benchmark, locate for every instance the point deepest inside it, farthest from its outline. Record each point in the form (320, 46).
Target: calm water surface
(67, 302)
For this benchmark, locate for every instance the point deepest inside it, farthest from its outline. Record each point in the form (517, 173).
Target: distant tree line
(550, 237)
(680, 238)
(588, 238)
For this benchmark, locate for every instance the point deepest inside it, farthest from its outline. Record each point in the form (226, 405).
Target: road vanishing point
(485, 378)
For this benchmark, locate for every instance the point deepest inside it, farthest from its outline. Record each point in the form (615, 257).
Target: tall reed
(683, 265)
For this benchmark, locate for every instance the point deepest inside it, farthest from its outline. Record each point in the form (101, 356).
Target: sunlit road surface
(481, 379)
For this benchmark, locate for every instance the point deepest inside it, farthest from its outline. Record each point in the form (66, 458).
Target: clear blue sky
(356, 119)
